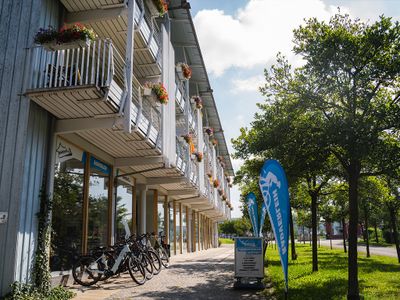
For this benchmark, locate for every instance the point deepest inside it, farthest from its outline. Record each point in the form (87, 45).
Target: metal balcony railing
(181, 156)
(90, 65)
(97, 65)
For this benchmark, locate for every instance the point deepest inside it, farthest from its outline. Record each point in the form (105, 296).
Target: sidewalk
(374, 250)
(204, 275)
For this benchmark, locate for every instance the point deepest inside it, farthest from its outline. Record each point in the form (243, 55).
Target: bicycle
(162, 249)
(102, 263)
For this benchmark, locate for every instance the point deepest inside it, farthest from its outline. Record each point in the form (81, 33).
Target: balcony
(86, 89)
(109, 20)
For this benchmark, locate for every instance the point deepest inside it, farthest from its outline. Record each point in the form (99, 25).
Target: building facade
(81, 123)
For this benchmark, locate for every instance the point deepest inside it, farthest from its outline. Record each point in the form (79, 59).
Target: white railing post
(129, 63)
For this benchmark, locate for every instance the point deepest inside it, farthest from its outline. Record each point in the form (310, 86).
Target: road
(374, 250)
(204, 275)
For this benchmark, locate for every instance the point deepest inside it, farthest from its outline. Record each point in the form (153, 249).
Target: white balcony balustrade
(90, 82)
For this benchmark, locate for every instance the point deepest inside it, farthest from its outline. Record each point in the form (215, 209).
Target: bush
(23, 291)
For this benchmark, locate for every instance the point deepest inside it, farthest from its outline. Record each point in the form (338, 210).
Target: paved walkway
(204, 275)
(374, 250)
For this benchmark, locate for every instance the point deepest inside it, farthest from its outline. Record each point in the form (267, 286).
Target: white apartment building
(80, 123)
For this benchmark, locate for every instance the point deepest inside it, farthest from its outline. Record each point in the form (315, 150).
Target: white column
(142, 208)
(189, 229)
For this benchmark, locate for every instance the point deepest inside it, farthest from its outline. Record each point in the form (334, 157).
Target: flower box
(157, 92)
(54, 46)
(179, 72)
(157, 11)
(147, 91)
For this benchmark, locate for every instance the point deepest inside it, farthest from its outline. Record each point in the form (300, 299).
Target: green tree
(348, 89)
(352, 73)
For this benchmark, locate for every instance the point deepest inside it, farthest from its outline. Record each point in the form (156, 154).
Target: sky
(240, 38)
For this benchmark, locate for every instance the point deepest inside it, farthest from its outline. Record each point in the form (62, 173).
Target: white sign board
(249, 258)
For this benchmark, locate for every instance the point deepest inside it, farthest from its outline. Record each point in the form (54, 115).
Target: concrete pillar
(188, 229)
(216, 234)
(166, 219)
(142, 188)
(174, 210)
(180, 229)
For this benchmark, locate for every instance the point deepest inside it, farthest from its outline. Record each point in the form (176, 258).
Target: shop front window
(160, 217)
(123, 207)
(98, 203)
(66, 237)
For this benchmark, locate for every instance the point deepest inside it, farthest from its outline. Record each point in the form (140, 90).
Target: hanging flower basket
(216, 183)
(161, 92)
(198, 102)
(188, 138)
(209, 174)
(224, 197)
(220, 192)
(199, 156)
(77, 36)
(158, 89)
(230, 185)
(214, 142)
(209, 131)
(157, 7)
(184, 71)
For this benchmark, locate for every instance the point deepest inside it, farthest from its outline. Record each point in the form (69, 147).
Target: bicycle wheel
(136, 270)
(86, 271)
(162, 253)
(156, 261)
(148, 266)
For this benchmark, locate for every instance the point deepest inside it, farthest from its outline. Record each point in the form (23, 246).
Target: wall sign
(3, 217)
(65, 151)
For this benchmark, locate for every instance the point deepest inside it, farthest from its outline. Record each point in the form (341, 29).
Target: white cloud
(255, 33)
(250, 84)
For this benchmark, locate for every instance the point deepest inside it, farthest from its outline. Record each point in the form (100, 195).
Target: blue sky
(239, 38)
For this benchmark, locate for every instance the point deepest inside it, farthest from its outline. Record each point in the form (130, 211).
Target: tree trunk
(366, 232)
(304, 236)
(344, 235)
(354, 174)
(293, 245)
(392, 212)
(363, 232)
(376, 233)
(314, 203)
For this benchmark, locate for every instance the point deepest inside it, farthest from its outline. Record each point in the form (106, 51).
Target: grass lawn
(379, 276)
(226, 241)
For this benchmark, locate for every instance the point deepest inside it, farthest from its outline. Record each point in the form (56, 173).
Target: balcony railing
(149, 30)
(90, 65)
(181, 156)
(89, 81)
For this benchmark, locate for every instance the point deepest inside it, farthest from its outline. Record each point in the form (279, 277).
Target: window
(66, 238)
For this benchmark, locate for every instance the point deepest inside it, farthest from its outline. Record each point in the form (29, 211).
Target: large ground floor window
(81, 205)
(66, 237)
